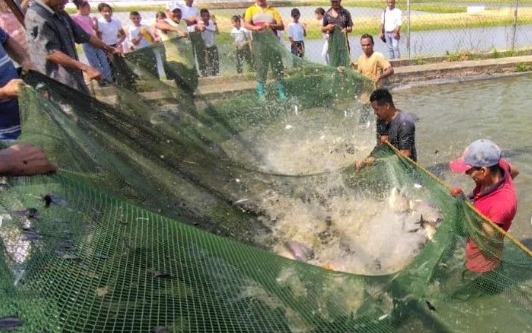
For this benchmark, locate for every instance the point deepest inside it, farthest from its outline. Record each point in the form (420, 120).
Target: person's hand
(396, 35)
(115, 51)
(213, 19)
(93, 73)
(370, 160)
(457, 192)
(200, 26)
(12, 88)
(26, 66)
(23, 160)
(383, 139)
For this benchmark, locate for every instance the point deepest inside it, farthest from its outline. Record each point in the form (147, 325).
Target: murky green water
(453, 115)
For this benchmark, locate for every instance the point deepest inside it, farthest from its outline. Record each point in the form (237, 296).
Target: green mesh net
(174, 212)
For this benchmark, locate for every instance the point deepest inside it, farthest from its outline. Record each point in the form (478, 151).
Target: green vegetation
(458, 56)
(522, 67)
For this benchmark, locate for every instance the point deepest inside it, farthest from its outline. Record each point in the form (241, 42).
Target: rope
(447, 186)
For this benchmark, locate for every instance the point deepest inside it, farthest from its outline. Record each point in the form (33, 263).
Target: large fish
(424, 215)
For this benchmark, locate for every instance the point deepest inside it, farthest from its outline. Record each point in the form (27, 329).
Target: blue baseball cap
(480, 153)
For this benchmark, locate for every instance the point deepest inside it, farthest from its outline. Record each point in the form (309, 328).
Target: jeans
(98, 59)
(393, 45)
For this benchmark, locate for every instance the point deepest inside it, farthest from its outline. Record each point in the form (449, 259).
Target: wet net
(182, 209)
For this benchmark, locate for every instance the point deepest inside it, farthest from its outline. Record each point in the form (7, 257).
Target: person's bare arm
(385, 73)
(121, 36)
(165, 27)
(23, 160)
(514, 171)
(17, 53)
(248, 24)
(97, 42)
(62, 59)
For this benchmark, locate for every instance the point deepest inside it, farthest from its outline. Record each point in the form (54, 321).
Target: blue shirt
(9, 116)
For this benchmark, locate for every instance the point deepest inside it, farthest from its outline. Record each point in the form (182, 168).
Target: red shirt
(499, 204)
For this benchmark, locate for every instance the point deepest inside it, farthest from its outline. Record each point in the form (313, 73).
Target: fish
(299, 251)
(398, 201)
(417, 216)
(10, 323)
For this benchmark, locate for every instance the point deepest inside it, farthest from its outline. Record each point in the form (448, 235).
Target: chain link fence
(430, 28)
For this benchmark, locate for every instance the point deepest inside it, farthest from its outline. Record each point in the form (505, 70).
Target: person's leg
(389, 44)
(98, 59)
(249, 57)
(261, 64)
(208, 61)
(215, 60)
(276, 61)
(325, 52)
(395, 47)
(239, 60)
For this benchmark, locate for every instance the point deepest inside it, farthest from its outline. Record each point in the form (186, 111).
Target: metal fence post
(514, 30)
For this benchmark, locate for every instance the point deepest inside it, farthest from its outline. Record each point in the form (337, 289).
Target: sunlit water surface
(453, 115)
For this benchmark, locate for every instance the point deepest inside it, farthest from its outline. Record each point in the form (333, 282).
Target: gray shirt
(48, 31)
(401, 132)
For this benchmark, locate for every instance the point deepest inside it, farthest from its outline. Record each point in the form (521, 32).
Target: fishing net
(174, 212)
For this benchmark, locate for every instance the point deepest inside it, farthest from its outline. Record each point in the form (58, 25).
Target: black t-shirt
(343, 20)
(401, 132)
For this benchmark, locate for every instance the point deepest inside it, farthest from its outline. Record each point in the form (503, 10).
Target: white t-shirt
(189, 13)
(133, 32)
(394, 19)
(109, 30)
(296, 31)
(325, 34)
(240, 36)
(208, 34)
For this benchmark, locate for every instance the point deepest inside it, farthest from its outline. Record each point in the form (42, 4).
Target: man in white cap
(494, 196)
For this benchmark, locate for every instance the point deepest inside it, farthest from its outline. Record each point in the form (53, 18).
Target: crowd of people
(49, 47)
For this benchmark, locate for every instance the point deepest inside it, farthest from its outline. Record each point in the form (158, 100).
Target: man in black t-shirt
(393, 126)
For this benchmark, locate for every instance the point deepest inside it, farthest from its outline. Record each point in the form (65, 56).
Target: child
(210, 28)
(318, 14)
(296, 34)
(242, 42)
(109, 30)
(96, 57)
(138, 35)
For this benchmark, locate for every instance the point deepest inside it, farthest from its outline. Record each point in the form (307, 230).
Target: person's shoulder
(407, 117)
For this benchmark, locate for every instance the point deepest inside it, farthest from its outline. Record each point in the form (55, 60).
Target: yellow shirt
(259, 15)
(165, 36)
(373, 66)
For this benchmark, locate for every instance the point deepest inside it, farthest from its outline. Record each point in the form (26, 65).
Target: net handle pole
(15, 9)
(447, 186)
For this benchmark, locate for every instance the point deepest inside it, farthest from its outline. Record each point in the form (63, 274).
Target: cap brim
(459, 166)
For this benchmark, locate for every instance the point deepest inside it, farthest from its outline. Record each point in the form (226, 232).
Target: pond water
(453, 115)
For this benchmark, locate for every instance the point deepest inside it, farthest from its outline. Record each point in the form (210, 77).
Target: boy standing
(296, 34)
(212, 60)
(318, 14)
(242, 40)
(138, 35)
